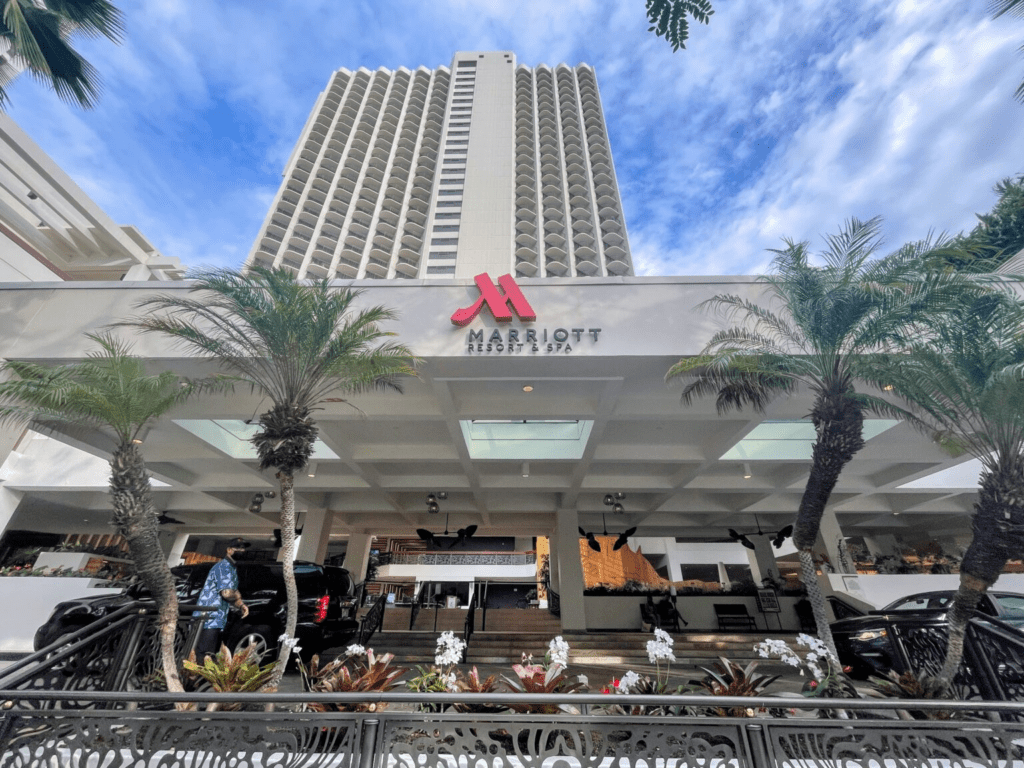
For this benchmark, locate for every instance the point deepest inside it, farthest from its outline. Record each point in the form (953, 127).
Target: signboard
(506, 301)
(768, 601)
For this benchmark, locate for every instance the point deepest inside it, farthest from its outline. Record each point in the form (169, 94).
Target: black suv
(865, 642)
(325, 612)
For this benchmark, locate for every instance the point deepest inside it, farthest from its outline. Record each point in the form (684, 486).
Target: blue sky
(779, 119)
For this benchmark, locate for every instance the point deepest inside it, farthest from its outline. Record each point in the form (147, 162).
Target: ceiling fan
(620, 542)
(461, 535)
(780, 537)
(164, 519)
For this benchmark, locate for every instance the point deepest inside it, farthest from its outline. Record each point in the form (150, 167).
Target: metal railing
(462, 558)
(112, 729)
(117, 652)
(372, 621)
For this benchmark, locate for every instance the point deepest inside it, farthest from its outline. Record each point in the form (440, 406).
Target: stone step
(613, 648)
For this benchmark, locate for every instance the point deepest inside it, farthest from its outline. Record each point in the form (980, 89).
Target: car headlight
(871, 634)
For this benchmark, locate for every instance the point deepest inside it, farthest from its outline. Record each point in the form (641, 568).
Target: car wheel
(260, 636)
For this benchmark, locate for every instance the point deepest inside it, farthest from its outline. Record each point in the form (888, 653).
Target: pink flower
(813, 684)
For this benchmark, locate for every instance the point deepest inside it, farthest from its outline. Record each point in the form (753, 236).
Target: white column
(9, 501)
(762, 559)
(176, 549)
(883, 544)
(570, 572)
(553, 560)
(723, 577)
(357, 555)
(316, 535)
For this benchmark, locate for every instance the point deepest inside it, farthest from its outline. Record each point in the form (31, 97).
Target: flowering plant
(728, 678)
(546, 677)
(827, 678)
(369, 675)
(441, 677)
(658, 650)
(226, 672)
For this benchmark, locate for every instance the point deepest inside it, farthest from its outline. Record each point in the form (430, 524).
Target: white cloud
(778, 119)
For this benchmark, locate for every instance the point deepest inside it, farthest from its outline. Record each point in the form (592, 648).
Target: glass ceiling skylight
(526, 440)
(790, 440)
(233, 437)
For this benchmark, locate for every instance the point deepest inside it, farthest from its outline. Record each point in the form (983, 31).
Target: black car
(866, 644)
(326, 606)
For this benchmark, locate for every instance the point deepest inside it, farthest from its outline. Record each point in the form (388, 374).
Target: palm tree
(831, 318)
(668, 18)
(1014, 8)
(111, 391)
(38, 36)
(969, 378)
(295, 343)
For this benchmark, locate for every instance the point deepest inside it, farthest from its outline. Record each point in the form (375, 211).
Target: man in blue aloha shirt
(220, 590)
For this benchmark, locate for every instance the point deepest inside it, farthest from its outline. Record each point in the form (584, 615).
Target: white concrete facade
(484, 166)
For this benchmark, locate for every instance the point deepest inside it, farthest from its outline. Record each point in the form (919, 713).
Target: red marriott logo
(496, 301)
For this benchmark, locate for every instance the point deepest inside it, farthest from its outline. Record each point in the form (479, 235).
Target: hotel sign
(502, 300)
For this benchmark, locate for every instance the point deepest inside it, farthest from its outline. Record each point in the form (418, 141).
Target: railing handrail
(590, 699)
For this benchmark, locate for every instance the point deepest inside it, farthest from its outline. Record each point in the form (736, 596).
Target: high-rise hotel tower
(483, 167)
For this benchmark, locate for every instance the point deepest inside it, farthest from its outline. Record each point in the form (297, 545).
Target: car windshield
(929, 602)
(1012, 606)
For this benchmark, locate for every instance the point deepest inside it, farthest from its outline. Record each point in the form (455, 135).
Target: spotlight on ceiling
(747, 474)
(618, 509)
(608, 499)
(528, 388)
(887, 388)
(432, 498)
(526, 469)
(311, 471)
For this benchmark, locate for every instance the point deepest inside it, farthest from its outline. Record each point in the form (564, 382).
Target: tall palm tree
(38, 37)
(295, 343)
(827, 321)
(1014, 8)
(111, 391)
(969, 378)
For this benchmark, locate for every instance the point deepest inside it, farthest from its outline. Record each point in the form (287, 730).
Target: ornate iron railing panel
(895, 743)
(179, 739)
(43, 738)
(536, 740)
(463, 558)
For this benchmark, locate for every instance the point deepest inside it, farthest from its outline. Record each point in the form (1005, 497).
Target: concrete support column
(316, 535)
(9, 501)
(553, 561)
(762, 559)
(832, 545)
(723, 577)
(882, 545)
(357, 555)
(175, 548)
(570, 572)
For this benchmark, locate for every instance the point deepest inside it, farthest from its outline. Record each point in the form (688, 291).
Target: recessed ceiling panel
(234, 437)
(526, 440)
(789, 440)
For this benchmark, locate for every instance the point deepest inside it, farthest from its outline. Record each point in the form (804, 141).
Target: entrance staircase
(605, 649)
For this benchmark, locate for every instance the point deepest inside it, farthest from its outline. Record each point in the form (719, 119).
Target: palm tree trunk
(839, 423)
(998, 535)
(135, 518)
(287, 481)
(809, 575)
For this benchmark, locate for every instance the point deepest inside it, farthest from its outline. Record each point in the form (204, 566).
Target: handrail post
(758, 740)
(126, 656)
(368, 743)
